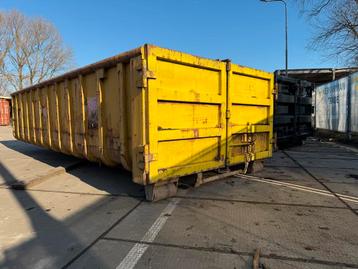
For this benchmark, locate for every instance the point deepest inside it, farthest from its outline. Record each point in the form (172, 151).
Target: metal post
(286, 31)
(286, 38)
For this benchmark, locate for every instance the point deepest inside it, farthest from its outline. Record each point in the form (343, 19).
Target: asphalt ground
(301, 211)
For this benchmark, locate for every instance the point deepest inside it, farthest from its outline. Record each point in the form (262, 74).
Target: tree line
(31, 51)
(335, 25)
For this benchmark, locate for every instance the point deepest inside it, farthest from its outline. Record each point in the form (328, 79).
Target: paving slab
(46, 230)
(337, 154)
(6, 133)
(141, 219)
(104, 254)
(337, 163)
(333, 175)
(295, 232)
(111, 253)
(288, 174)
(280, 159)
(237, 189)
(319, 147)
(284, 264)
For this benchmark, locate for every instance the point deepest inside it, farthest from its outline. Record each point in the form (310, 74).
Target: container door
(250, 114)
(186, 106)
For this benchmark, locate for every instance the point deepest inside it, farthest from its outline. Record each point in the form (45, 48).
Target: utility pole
(286, 31)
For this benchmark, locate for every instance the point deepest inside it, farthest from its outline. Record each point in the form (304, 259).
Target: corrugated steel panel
(157, 112)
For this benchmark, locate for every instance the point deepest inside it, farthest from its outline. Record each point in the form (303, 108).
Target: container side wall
(53, 117)
(16, 112)
(87, 113)
(111, 120)
(32, 117)
(44, 117)
(76, 118)
(24, 103)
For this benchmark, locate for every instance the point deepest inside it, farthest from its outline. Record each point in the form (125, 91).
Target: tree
(336, 24)
(31, 51)
(4, 48)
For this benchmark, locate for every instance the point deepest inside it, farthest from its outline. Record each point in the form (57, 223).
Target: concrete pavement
(95, 217)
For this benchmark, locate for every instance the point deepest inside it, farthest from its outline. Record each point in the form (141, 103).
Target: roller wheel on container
(154, 192)
(255, 166)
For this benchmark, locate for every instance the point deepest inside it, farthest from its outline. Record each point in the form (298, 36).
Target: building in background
(319, 75)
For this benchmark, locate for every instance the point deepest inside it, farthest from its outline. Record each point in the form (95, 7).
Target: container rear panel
(186, 104)
(250, 114)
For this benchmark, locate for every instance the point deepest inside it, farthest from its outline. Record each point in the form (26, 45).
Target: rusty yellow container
(159, 113)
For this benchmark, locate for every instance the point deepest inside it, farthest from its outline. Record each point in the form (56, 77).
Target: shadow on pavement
(49, 157)
(112, 180)
(56, 242)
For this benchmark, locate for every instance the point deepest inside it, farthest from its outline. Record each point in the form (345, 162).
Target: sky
(249, 32)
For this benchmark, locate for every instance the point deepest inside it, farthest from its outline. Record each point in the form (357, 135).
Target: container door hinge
(228, 114)
(144, 157)
(144, 74)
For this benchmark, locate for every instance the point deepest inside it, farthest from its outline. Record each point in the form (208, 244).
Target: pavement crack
(101, 236)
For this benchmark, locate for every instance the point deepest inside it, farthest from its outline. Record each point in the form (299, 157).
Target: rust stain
(196, 95)
(196, 132)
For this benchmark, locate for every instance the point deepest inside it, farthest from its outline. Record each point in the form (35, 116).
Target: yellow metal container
(159, 113)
